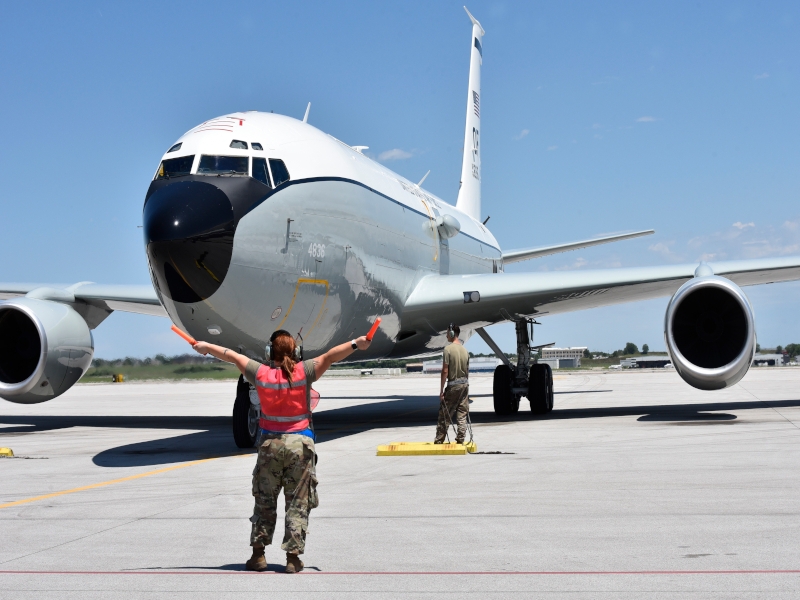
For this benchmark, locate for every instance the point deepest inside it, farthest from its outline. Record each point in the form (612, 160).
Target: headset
(451, 333)
(298, 349)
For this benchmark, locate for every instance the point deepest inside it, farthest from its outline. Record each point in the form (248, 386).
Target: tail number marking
(316, 250)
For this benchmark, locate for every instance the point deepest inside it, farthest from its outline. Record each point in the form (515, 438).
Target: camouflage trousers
(453, 409)
(284, 461)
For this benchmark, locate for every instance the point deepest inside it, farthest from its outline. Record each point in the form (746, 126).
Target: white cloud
(646, 119)
(550, 148)
(522, 134)
(739, 225)
(762, 76)
(660, 248)
(394, 154)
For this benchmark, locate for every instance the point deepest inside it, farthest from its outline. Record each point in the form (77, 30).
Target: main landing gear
(525, 378)
(245, 416)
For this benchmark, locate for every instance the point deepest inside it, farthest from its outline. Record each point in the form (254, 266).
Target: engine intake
(710, 332)
(45, 348)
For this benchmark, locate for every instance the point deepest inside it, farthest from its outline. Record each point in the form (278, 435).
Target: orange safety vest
(283, 405)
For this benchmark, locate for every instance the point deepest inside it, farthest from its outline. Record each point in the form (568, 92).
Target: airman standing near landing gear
(286, 455)
(454, 397)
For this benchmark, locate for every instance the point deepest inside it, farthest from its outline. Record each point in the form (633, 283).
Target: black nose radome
(188, 232)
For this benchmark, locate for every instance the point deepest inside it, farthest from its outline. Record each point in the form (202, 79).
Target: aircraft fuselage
(235, 255)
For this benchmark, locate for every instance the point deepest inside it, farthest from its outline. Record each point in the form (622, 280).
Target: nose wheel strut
(525, 378)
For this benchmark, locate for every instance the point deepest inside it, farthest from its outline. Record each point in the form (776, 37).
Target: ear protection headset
(450, 331)
(298, 350)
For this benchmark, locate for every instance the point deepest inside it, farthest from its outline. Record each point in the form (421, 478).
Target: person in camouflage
(284, 461)
(454, 388)
(286, 454)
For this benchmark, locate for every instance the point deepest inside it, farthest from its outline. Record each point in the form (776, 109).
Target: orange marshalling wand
(374, 329)
(184, 335)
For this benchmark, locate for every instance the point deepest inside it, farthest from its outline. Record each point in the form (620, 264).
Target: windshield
(175, 167)
(223, 165)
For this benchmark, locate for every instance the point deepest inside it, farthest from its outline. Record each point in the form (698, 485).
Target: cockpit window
(175, 147)
(239, 144)
(175, 167)
(280, 173)
(257, 146)
(260, 171)
(223, 165)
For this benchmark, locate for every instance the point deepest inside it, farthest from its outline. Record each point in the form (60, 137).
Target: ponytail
(282, 351)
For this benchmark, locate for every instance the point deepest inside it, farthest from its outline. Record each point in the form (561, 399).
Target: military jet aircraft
(255, 221)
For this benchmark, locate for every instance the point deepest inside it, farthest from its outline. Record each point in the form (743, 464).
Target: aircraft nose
(188, 233)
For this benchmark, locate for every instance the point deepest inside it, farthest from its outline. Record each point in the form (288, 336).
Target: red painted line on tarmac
(438, 573)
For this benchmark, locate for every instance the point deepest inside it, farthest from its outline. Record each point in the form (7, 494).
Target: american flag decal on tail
(476, 103)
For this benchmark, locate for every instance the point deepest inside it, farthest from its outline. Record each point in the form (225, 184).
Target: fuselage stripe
(366, 187)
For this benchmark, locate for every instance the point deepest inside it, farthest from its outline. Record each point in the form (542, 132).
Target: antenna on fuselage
(424, 177)
(308, 110)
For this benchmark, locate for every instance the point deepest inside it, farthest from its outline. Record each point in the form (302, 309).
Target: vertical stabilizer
(469, 194)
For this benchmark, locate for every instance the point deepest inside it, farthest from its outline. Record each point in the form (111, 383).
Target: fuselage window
(257, 146)
(223, 165)
(175, 148)
(175, 167)
(239, 144)
(260, 171)
(279, 171)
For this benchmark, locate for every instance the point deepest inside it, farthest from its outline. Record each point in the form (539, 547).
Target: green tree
(779, 350)
(793, 349)
(645, 349)
(630, 348)
(758, 347)
(587, 354)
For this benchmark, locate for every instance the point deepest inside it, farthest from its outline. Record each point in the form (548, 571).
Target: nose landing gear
(525, 378)
(245, 416)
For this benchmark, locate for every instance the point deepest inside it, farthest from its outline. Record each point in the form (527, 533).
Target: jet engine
(45, 348)
(710, 332)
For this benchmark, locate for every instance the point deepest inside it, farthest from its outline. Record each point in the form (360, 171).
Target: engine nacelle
(45, 348)
(710, 332)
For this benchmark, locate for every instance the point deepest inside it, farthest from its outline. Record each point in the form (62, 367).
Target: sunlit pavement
(635, 486)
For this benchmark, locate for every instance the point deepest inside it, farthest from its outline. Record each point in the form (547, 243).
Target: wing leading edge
(140, 299)
(440, 299)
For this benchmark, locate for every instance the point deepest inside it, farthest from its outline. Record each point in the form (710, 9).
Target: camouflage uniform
(455, 404)
(284, 461)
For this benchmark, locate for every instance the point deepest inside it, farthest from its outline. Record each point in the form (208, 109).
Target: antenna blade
(424, 177)
(308, 110)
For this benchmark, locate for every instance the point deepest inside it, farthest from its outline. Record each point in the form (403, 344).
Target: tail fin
(469, 194)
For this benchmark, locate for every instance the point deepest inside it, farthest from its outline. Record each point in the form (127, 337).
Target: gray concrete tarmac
(635, 486)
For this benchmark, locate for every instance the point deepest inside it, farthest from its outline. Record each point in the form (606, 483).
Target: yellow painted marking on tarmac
(113, 481)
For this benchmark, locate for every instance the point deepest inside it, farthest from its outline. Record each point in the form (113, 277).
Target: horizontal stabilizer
(519, 255)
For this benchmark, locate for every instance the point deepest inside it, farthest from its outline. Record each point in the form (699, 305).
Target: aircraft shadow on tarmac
(211, 435)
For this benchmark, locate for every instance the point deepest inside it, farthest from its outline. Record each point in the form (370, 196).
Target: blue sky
(597, 118)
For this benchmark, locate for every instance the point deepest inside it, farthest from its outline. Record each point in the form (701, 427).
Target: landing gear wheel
(540, 388)
(505, 402)
(245, 416)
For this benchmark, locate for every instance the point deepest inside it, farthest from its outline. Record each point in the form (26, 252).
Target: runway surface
(635, 486)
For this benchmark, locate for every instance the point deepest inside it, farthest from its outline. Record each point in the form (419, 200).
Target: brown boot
(293, 563)
(257, 562)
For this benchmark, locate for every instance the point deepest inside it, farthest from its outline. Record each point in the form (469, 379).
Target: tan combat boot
(293, 563)
(257, 562)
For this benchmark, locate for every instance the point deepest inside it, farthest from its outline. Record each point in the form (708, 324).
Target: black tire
(245, 416)
(540, 388)
(504, 401)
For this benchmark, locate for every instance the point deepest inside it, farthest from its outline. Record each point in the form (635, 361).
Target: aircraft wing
(139, 299)
(480, 300)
